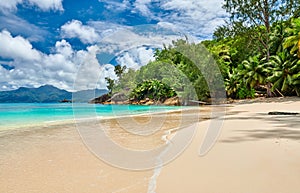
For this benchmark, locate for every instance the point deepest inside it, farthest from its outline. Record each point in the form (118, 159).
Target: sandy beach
(255, 152)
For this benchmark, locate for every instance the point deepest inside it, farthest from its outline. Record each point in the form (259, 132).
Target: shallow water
(13, 115)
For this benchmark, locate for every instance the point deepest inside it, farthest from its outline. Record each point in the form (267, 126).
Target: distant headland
(48, 94)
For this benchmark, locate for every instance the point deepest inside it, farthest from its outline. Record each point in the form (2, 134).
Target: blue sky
(61, 41)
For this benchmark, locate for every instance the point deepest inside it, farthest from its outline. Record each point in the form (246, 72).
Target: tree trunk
(269, 92)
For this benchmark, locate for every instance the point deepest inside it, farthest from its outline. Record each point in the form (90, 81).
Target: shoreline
(228, 103)
(73, 121)
(59, 151)
(253, 147)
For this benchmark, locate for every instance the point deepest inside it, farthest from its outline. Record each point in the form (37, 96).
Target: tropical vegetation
(257, 52)
(152, 89)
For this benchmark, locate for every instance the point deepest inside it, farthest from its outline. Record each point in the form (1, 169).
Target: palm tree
(277, 36)
(222, 56)
(110, 85)
(233, 83)
(286, 73)
(254, 71)
(119, 70)
(293, 41)
(296, 83)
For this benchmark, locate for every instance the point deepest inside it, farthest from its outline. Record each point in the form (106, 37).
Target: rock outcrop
(120, 98)
(100, 100)
(174, 101)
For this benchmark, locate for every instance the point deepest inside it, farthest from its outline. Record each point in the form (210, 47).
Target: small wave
(157, 170)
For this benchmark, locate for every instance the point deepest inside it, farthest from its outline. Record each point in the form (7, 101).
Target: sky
(74, 45)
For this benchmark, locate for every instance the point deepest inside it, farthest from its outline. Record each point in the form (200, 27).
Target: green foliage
(164, 72)
(257, 17)
(222, 54)
(232, 84)
(293, 39)
(257, 12)
(179, 55)
(152, 89)
(173, 56)
(285, 73)
(253, 71)
(119, 70)
(126, 82)
(257, 55)
(277, 36)
(110, 85)
(243, 93)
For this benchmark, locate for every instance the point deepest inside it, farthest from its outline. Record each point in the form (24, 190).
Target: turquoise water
(24, 114)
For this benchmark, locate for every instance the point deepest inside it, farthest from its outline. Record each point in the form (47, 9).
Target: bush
(152, 89)
(244, 92)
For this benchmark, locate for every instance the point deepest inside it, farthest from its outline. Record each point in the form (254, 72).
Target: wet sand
(53, 158)
(56, 160)
(255, 152)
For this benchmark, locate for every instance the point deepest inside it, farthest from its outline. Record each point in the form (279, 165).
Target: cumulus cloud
(134, 37)
(42, 4)
(134, 46)
(9, 5)
(17, 47)
(75, 29)
(61, 68)
(64, 66)
(194, 17)
(63, 47)
(142, 7)
(131, 45)
(48, 4)
(197, 17)
(135, 58)
(89, 71)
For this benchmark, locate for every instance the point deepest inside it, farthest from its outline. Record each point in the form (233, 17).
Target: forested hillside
(257, 53)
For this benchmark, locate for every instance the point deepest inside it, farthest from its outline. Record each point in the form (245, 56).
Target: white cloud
(89, 69)
(75, 29)
(10, 5)
(200, 18)
(48, 4)
(116, 5)
(105, 28)
(17, 25)
(195, 17)
(61, 68)
(134, 37)
(17, 47)
(136, 58)
(132, 46)
(142, 7)
(63, 47)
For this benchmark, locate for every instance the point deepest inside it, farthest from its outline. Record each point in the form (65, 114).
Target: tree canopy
(256, 53)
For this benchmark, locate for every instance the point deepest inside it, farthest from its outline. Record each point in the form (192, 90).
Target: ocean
(15, 115)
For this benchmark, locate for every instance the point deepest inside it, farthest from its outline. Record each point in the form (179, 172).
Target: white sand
(255, 152)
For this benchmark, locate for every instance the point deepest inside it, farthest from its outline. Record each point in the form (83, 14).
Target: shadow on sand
(282, 127)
